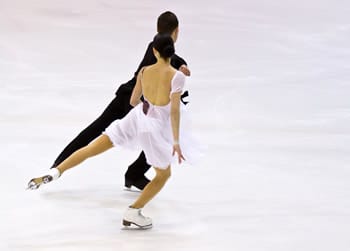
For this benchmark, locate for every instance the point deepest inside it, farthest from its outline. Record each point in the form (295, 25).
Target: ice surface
(269, 96)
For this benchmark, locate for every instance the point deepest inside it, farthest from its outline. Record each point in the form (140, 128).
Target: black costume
(117, 109)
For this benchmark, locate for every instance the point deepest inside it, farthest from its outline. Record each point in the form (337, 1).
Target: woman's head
(164, 45)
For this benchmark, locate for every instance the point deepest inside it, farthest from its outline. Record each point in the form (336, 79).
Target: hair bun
(168, 51)
(164, 44)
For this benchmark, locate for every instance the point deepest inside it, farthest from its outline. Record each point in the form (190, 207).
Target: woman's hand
(177, 149)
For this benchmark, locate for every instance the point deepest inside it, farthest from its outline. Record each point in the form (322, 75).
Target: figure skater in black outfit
(167, 23)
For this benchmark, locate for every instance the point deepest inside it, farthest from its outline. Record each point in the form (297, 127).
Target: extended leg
(98, 146)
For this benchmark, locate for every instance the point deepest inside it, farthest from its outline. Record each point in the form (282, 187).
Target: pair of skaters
(167, 23)
(153, 123)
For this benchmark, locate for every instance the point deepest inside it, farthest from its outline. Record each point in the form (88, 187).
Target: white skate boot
(134, 216)
(35, 183)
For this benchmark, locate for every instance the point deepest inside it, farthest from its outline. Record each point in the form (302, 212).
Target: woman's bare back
(156, 84)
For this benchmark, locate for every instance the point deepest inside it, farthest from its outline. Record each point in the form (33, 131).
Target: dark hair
(167, 23)
(164, 44)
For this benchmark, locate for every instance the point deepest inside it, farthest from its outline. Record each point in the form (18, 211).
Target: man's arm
(148, 58)
(176, 61)
(180, 64)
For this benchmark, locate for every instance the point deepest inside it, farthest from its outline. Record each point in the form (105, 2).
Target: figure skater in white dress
(153, 124)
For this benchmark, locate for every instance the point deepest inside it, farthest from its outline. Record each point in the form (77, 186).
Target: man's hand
(184, 69)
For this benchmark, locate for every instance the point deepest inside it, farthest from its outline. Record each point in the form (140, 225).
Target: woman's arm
(137, 91)
(175, 115)
(175, 123)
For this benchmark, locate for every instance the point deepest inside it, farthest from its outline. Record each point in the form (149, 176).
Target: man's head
(168, 24)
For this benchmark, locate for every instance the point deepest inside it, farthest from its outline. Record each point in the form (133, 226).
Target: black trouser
(117, 109)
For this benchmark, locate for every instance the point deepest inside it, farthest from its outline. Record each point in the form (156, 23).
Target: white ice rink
(270, 99)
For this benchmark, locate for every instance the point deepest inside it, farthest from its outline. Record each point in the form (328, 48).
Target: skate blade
(35, 183)
(130, 189)
(127, 226)
(32, 186)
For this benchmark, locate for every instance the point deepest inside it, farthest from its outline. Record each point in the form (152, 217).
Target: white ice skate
(134, 216)
(35, 183)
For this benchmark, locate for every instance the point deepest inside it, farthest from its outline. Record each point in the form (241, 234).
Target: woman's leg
(98, 146)
(133, 214)
(153, 187)
(101, 144)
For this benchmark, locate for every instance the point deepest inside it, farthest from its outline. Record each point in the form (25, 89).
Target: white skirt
(153, 134)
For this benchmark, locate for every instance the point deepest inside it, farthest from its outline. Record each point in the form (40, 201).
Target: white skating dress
(151, 132)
